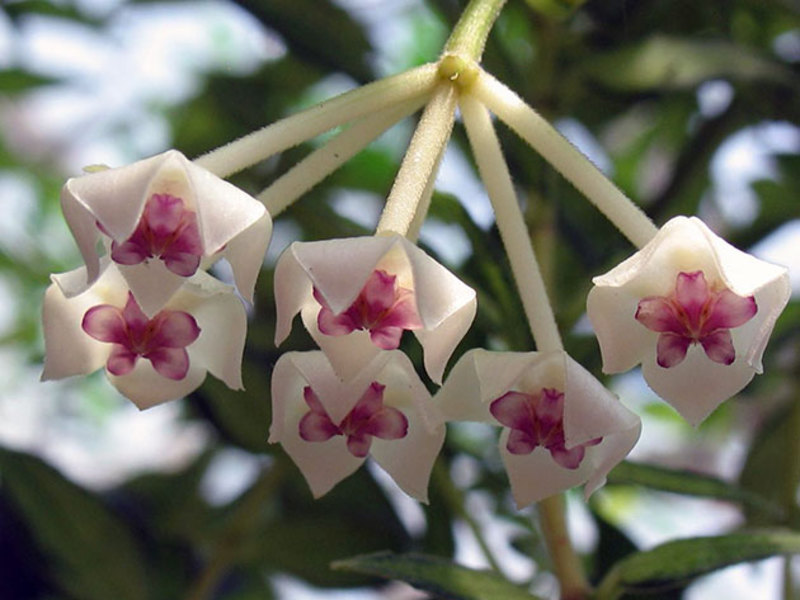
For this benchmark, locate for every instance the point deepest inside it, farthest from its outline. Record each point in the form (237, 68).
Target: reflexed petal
(331, 324)
(183, 264)
(719, 347)
(386, 338)
(359, 445)
(387, 424)
(174, 329)
(130, 252)
(514, 410)
(730, 311)
(657, 314)
(691, 292)
(671, 349)
(520, 442)
(569, 459)
(105, 323)
(172, 363)
(317, 427)
(121, 361)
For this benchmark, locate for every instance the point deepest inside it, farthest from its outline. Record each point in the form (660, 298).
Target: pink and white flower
(356, 296)
(561, 427)
(163, 218)
(693, 310)
(328, 426)
(149, 359)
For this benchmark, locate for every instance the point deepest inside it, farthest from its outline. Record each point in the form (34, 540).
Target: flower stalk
(469, 35)
(567, 159)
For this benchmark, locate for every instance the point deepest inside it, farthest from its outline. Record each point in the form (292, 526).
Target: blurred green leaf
(670, 63)
(93, 555)
(16, 81)
(318, 31)
(679, 561)
(436, 575)
(690, 484)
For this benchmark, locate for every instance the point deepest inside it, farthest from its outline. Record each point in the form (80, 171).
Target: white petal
(68, 349)
(698, 385)
(409, 460)
(537, 476)
(152, 284)
(113, 197)
(223, 327)
(245, 253)
(223, 210)
(146, 388)
(323, 464)
(590, 410)
(608, 454)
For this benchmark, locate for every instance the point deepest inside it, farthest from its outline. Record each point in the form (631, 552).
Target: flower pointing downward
(162, 340)
(693, 310)
(694, 314)
(368, 418)
(382, 307)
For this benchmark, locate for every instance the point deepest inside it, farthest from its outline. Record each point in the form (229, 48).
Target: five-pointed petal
(428, 299)
(164, 216)
(328, 426)
(150, 360)
(586, 429)
(694, 360)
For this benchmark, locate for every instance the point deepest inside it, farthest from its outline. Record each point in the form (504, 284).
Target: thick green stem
(470, 33)
(292, 130)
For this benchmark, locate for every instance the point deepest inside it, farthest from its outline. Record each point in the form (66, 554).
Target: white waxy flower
(162, 218)
(693, 310)
(561, 427)
(356, 296)
(149, 359)
(328, 426)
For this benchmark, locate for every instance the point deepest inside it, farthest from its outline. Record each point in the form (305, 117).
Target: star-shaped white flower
(561, 427)
(149, 359)
(329, 426)
(357, 295)
(162, 218)
(693, 310)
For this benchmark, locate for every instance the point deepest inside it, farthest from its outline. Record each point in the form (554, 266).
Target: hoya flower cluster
(695, 312)
(146, 309)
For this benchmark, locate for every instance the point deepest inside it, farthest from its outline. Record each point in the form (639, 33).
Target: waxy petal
(593, 418)
(750, 295)
(112, 201)
(163, 372)
(396, 424)
(339, 270)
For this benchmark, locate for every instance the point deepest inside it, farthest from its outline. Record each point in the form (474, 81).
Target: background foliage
(658, 86)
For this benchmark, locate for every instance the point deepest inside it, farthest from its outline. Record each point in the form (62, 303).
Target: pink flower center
(695, 314)
(382, 307)
(162, 340)
(367, 419)
(538, 420)
(166, 230)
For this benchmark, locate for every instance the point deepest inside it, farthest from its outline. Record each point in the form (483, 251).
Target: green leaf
(436, 575)
(690, 484)
(93, 555)
(665, 62)
(679, 561)
(15, 81)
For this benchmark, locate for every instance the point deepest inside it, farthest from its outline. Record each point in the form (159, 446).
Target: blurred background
(691, 108)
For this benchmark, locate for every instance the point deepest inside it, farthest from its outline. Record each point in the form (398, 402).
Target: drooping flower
(561, 427)
(329, 426)
(693, 310)
(148, 359)
(163, 218)
(356, 296)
